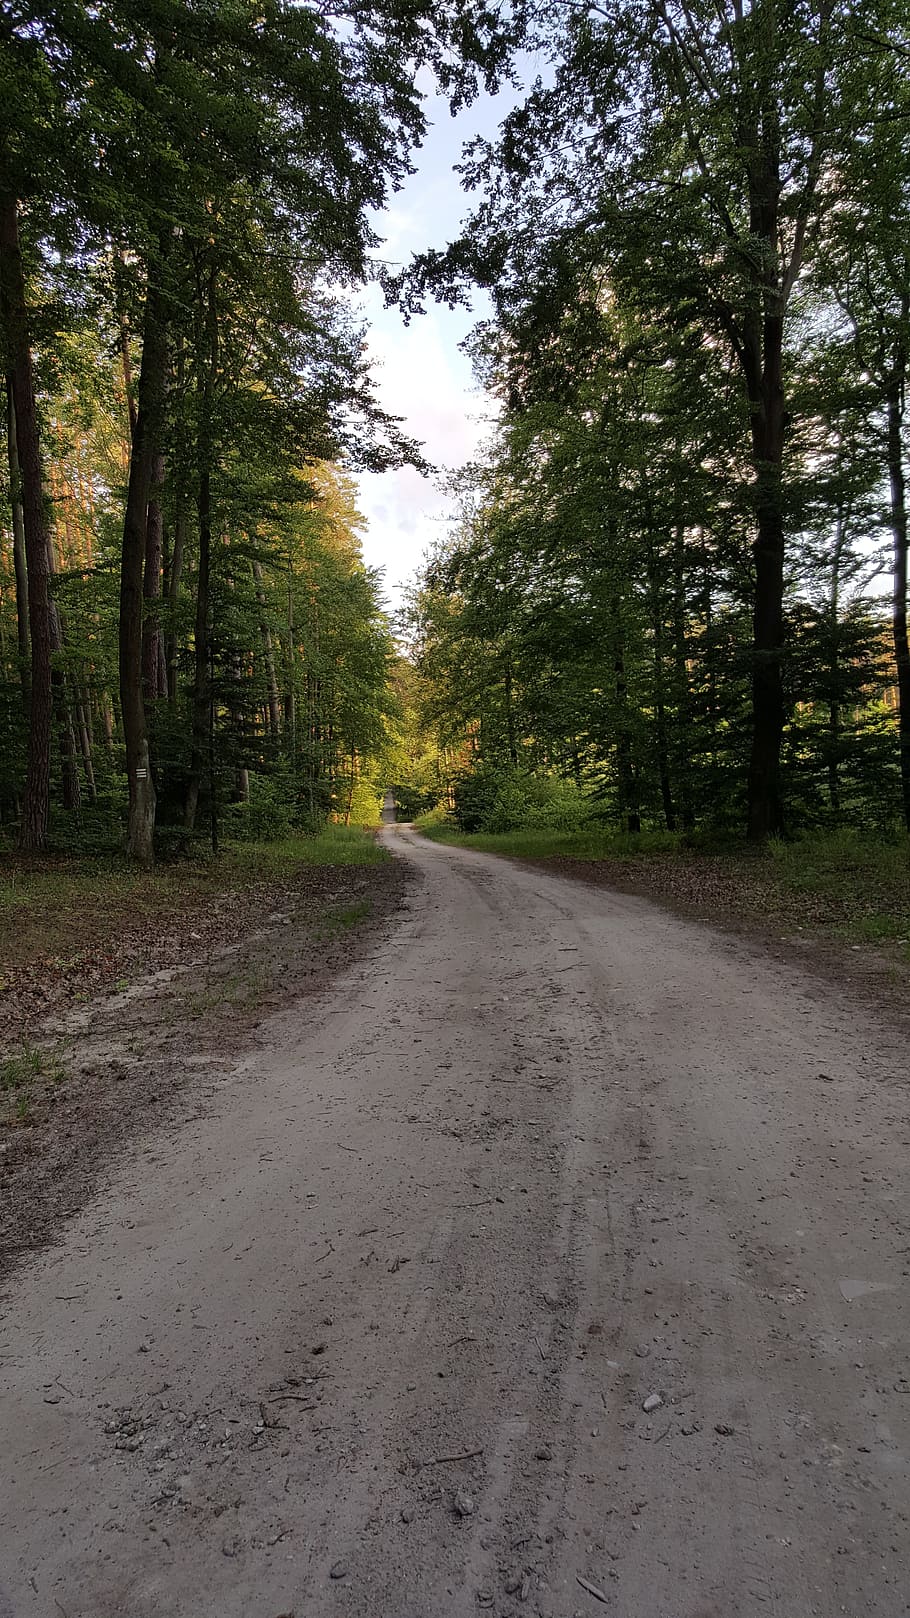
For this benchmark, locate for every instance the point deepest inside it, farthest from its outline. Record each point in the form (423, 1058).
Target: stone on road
(549, 1151)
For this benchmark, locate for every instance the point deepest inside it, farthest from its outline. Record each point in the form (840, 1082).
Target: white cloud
(423, 377)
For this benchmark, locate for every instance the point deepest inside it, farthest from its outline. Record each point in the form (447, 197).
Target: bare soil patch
(129, 1032)
(736, 894)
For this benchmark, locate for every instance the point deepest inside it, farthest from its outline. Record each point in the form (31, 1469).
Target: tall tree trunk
(510, 715)
(19, 565)
(201, 693)
(174, 577)
(682, 697)
(150, 402)
(33, 832)
(766, 400)
(268, 655)
(83, 726)
(126, 362)
(72, 796)
(898, 485)
(151, 586)
(629, 810)
(660, 680)
(834, 719)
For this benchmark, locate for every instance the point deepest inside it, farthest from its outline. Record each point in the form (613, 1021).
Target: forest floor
(117, 987)
(552, 1260)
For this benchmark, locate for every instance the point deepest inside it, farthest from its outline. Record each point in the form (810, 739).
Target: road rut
(373, 1334)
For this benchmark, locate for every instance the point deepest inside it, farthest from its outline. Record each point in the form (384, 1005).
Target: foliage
(666, 580)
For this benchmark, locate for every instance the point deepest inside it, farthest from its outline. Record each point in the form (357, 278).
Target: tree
(677, 151)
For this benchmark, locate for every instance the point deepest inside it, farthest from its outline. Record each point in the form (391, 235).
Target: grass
(584, 843)
(52, 909)
(838, 884)
(19, 1073)
(335, 922)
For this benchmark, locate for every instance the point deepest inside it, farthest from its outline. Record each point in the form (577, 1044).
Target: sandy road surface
(548, 1152)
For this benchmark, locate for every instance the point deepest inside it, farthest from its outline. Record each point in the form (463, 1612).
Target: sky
(421, 373)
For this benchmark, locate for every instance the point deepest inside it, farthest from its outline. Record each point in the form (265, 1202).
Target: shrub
(491, 798)
(267, 815)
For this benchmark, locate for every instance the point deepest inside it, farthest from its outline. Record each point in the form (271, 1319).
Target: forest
(189, 639)
(675, 592)
(678, 583)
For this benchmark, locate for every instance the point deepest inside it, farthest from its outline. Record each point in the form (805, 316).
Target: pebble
(338, 1570)
(653, 1402)
(407, 1514)
(463, 1504)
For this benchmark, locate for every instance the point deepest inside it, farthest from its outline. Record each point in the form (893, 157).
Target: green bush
(497, 799)
(434, 819)
(267, 815)
(365, 805)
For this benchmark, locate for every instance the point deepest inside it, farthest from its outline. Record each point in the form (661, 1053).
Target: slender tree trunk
(201, 693)
(174, 577)
(61, 698)
(151, 587)
(765, 806)
(150, 401)
(834, 724)
(682, 750)
(83, 727)
(660, 698)
(510, 716)
(898, 485)
(126, 362)
(268, 655)
(33, 832)
(21, 571)
(629, 810)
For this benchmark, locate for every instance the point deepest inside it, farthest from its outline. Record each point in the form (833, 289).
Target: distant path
(388, 809)
(548, 1152)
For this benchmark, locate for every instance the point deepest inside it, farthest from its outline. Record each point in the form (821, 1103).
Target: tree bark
(19, 565)
(834, 716)
(151, 587)
(150, 401)
(682, 699)
(510, 716)
(36, 800)
(766, 401)
(201, 693)
(72, 796)
(268, 655)
(898, 488)
(174, 577)
(660, 700)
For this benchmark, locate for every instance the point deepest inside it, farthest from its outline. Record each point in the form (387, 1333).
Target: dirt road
(610, 1207)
